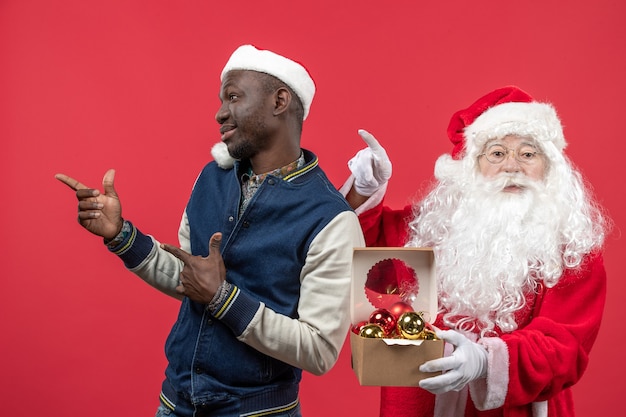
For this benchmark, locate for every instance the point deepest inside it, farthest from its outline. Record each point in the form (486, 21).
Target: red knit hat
(464, 118)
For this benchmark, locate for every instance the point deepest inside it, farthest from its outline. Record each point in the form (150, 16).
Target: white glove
(467, 363)
(371, 166)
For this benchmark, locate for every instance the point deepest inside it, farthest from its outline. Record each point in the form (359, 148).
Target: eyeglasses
(525, 154)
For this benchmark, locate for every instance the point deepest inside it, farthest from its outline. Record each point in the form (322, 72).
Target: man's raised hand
(99, 213)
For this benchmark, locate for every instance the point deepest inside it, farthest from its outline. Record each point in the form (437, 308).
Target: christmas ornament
(372, 331)
(385, 320)
(397, 309)
(411, 325)
(429, 335)
(356, 329)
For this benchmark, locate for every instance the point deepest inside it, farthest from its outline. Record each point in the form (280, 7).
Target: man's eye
(497, 154)
(232, 97)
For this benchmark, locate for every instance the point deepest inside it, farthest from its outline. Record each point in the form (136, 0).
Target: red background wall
(90, 85)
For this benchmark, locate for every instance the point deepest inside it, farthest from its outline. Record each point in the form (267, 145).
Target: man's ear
(282, 100)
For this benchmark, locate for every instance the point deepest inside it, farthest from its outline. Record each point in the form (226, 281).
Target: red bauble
(399, 308)
(385, 320)
(356, 328)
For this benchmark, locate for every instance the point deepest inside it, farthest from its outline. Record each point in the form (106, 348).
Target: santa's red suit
(531, 369)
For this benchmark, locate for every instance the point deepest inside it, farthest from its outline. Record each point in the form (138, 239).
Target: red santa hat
(292, 73)
(505, 111)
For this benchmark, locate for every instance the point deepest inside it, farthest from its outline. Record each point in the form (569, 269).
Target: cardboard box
(381, 277)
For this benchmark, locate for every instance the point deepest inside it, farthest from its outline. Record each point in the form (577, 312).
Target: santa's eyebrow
(526, 141)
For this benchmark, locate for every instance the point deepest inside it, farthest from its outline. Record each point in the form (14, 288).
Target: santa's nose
(510, 163)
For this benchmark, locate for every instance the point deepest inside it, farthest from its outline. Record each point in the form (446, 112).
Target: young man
(517, 241)
(263, 269)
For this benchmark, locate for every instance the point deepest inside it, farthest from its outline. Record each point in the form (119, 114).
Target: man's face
(512, 155)
(244, 114)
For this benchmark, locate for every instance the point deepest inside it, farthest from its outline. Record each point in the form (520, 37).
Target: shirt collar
(278, 172)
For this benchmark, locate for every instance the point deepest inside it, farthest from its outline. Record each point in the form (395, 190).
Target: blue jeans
(163, 411)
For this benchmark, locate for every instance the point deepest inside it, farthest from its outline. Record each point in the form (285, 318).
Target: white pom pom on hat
(220, 154)
(292, 73)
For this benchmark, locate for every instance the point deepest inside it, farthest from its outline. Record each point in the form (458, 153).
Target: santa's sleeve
(551, 353)
(382, 226)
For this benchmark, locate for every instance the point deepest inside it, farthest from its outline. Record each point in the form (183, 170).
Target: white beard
(491, 248)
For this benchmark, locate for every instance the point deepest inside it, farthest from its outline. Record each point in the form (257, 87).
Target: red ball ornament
(356, 328)
(399, 308)
(385, 320)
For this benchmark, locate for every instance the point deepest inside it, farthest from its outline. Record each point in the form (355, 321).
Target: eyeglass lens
(525, 154)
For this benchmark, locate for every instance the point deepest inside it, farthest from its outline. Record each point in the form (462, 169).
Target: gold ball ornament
(372, 331)
(429, 335)
(411, 325)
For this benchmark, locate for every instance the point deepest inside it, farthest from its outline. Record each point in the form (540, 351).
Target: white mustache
(505, 180)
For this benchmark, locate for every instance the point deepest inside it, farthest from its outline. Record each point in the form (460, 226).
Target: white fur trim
(247, 57)
(489, 393)
(538, 120)
(220, 154)
(447, 168)
(540, 409)
(451, 403)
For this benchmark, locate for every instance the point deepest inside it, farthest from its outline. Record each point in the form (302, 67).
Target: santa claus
(517, 241)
